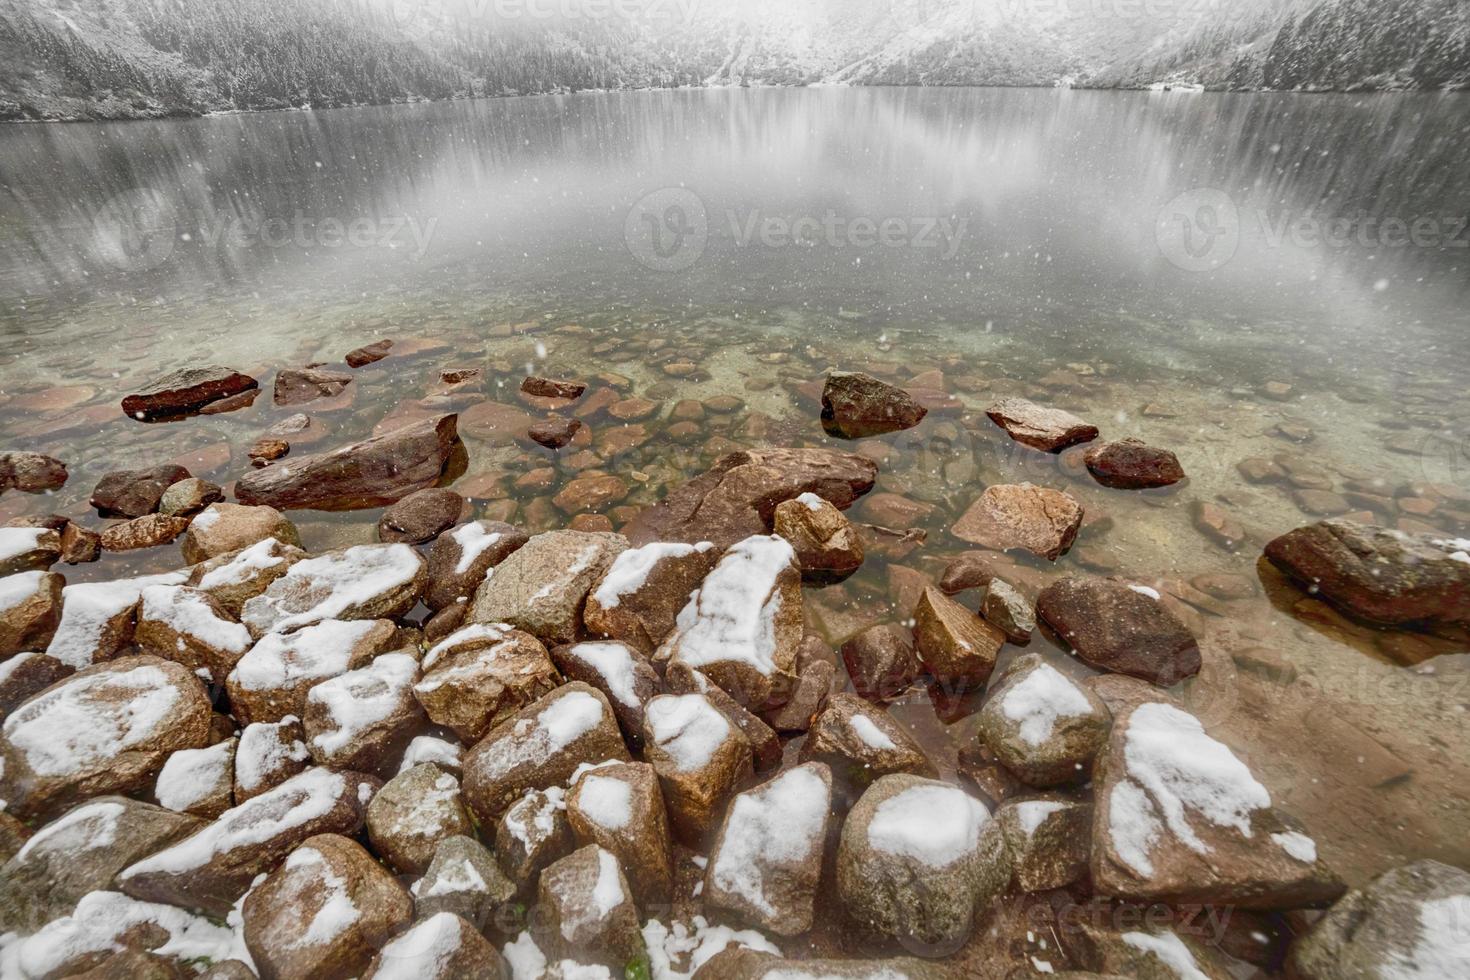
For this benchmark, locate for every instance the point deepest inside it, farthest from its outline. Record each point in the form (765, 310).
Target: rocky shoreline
(618, 747)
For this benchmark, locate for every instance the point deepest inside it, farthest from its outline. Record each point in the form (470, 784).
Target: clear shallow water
(1151, 261)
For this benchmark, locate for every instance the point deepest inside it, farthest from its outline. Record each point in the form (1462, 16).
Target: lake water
(1152, 261)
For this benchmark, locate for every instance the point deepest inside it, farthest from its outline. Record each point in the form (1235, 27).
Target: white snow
(9, 667)
(870, 734)
(359, 699)
(91, 719)
(258, 557)
(89, 827)
(187, 611)
(687, 727)
(87, 608)
(525, 958)
(15, 589)
(558, 725)
(1169, 950)
(1442, 948)
(1184, 772)
(261, 753)
(281, 660)
(303, 798)
(102, 916)
(421, 952)
(931, 823)
(811, 500)
(607, 894)
(732, 616)
(1298, 845)
(693, 947)
(1031, 814)
(782, 821)
(456, 879)
(473, 634)
(332, 586)
(190, 775)
(17, 541)
(1145, 590)
(614, 664)
(429, 748)
(316, 886)
(543, 817)
(1133, 826)
(1043, 696)
(606, 801)
(473, 540)
(630, 569)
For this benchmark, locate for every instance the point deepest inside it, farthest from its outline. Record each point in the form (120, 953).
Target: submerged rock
(554, 432)
(881, 662)
(378, 471)
(1180, 819)
(737, 497)
(1131, 465)
(31, 472)
(184, 391)
(552, 388)
(134, 493)
(1378, 574)
(368, 353)
(1048, 429)
(297, 387)
(856, 405)
(421, 516)
(1042, 521)
(1117, 626)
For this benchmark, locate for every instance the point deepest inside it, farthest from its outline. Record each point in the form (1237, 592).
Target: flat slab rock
(1180, 819)
(1048, 429)
(737, 497)
(363, 582)
(1040, 520)
(1117, 626)
(185, 391)
(373, 473)
(1379, 574)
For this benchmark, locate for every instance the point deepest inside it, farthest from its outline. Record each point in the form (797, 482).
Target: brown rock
(31, 473)
(549, 388)
(378, 471)
(1047, 837)
(968, 571)
(827, 546)
(191, 627)
(1042, 521)
(1043, 726)
(299, 922)
(369, 581)
(953, 643)
(633, 409)
(542, 745)
(364, 719)
(700, 757)
(542, 587)
(624, 676)
(412, 814)
(1115, 626)
(464, 879)
(481, 675)
(881, 662)
(184, 391)
(213, 867)
(421, 516)
(227, 528)
(133, 493)
(620, 808)
(644, 589)
(272, 680)
(737, 497)
(856, 405)
(148, 531)
(439, 947)
(30, 609)
(236, 577)
(1215, 523)
(79, 545)
(188, 497)
(594, 491)
(860, 742)
(531, 834)
(267, 450)
(1131, 465)
(297, 387)
(368, 354)
(461, 558)
(121, 720)
(590, 915)
(269, 753)
(555, 432)
(1008, 611)
(26, 673)
(1048, 429)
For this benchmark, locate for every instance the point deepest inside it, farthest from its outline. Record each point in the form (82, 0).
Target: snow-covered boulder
(269, 753)
(106, 729)
(1047, 837)
(542, 587)
(700, 757)
(531, 834)
(190, 626)
(30, 610)
(273, 678)
(321, 915)
(236, 577)
(765, 744)
(25, 549)
(861, 743)
(365, 718)
(918, 860)
(541, 746)
(199, 782)
(98, 618)
(464, 879)
(588, 910)
(211, 869)
(1042, 725)
(767, 860)
(463, 557)
(225, 528)
(1179, 818)
(482, 674)
(370, 581)
(412, 813)
(439, 947)
(619, 671)
(743, 625)
(621, 808)
(643, 591)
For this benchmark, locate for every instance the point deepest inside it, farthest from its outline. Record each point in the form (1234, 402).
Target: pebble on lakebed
(275, 752)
